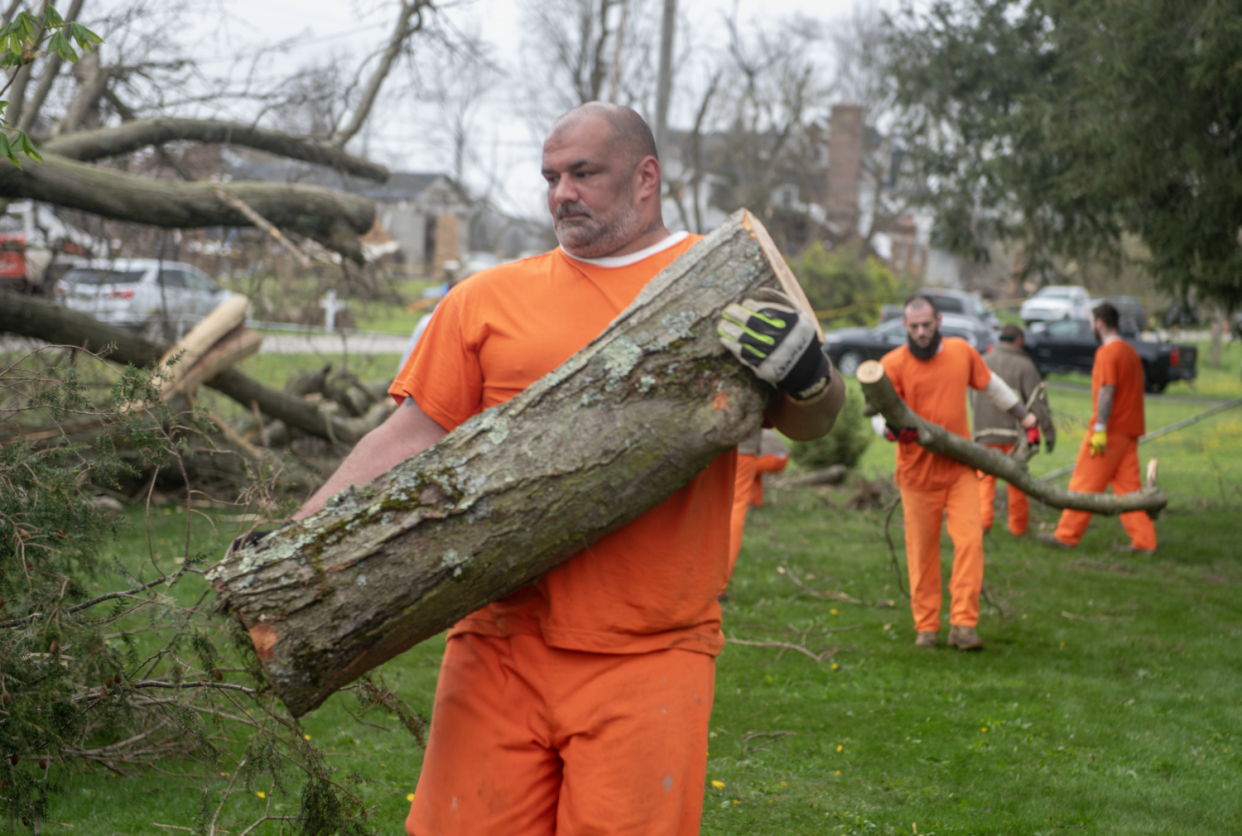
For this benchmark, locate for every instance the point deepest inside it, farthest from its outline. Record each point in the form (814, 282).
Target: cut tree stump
(882, 398)
(517, 489)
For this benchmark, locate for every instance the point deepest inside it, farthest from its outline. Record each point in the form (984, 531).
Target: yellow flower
(718, 785)
(984, 729)
(835, 666)
(261, 794)
(840, 748)
(783, 784)
(306, 737)
(834, 612)
(735, 801)
(224, 775)
(838, 772)
(410, 797)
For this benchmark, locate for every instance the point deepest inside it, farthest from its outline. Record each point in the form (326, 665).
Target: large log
(514, 491)
(882, 398)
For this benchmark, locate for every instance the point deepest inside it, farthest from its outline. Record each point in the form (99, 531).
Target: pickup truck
(1066, 345)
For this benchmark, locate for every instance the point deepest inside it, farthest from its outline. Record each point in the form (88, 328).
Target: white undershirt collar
(1111, 338)
(633, 258)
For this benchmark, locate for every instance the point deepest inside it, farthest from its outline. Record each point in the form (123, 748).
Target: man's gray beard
(598, 240)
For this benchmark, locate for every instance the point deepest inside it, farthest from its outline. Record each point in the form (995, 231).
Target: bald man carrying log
(580, 703)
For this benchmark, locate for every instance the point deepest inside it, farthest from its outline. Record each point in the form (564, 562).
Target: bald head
(629, 136)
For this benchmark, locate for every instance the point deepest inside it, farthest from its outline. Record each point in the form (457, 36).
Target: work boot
(1051, 540)
(964, 638)
(928, 639)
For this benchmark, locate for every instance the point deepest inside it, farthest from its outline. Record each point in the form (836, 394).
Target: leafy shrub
(842, 279)
(844, 445)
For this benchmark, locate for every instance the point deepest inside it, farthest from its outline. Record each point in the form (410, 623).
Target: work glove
(247, 540)
(1099, 443)
(778, 343)
(1032, 436)
(1049, 443)
(905, 435)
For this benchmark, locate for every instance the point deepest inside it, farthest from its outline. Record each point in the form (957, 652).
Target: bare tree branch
(85, 146)
(400, 33)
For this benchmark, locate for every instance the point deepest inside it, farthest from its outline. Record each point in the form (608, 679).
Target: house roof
(401, 185)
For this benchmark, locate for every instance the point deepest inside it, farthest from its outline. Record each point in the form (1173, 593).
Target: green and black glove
(778, 343)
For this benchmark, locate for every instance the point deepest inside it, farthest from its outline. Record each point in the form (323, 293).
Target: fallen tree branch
(101, 143)
(335, 219)
(229, 199)
(883, 399)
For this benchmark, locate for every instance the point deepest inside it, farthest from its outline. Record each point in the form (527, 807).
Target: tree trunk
(882, 398)
(335, 219)
(26, 316)
(514, 491)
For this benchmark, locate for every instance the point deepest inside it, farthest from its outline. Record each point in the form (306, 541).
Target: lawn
(1108, 700)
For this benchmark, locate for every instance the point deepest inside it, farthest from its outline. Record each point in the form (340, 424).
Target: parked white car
(1056, 302)
(161, 298)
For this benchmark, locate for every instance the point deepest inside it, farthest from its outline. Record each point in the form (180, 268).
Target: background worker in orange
(1109, 451)
(996, 429)
(932, 375)
(764, 452)
(580, 703)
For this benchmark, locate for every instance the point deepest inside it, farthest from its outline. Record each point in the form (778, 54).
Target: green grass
(1110, 688)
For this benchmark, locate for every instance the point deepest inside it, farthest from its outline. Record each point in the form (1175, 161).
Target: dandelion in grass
(410, 797)
(718, 785)
(306, 737)
(840, 748)
(261, 794)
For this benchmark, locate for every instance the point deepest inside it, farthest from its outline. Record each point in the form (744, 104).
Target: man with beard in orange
(932, 376)
(580, 703)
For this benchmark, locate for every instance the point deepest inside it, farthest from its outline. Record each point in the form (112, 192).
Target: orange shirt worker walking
(932, 376)
(580, 703)
(1109, 451)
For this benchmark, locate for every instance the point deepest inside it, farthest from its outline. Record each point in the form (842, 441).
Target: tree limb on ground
(86, 146)
(26, 316)
(514, 491)
(335, 219)
(882, 398)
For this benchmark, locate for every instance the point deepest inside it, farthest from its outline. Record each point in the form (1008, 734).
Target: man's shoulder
(509, 277)
(897, 357)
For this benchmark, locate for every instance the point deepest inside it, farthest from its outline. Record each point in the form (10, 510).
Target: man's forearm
(1104, 407)
(810, 419)
(407, 432)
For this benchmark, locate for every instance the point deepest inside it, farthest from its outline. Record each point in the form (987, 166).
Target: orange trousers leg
(924, 510)
(1019, 507)
(1119, 466)
(528, 740)
(743, 485)
(771, 463)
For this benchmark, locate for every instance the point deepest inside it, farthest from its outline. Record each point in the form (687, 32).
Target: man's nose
(564, 191)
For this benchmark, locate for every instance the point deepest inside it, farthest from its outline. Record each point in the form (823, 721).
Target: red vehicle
(36, 248)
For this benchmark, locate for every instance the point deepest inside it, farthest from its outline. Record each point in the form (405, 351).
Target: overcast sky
(346, 30)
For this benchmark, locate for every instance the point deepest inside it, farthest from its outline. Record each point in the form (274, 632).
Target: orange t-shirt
(1117, 364)
(936, 390)
(651, 585)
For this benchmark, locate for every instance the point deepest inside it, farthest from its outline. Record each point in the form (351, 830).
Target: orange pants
(748, 491)
(527, 739)
(1119, 466)
(924, 510)
(1019, 508)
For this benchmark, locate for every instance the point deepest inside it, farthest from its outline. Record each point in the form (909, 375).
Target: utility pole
(665, 81)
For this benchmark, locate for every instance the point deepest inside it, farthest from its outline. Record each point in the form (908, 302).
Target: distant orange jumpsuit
(752, 462)
(580, 703)
(1117, 364)
(933, 486)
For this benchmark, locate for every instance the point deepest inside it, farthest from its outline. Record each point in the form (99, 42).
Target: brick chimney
(845, 148)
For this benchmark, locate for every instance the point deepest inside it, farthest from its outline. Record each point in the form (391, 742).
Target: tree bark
(515, 490)
(86, 146)
(335, 219)
(26, 316)
(882, 398)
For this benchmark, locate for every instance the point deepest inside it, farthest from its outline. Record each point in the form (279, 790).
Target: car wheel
(849, 363)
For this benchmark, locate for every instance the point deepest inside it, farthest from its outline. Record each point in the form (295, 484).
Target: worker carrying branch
(932, 376)
(997, 429)
(1109, 451)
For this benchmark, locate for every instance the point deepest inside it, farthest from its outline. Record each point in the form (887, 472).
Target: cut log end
(870, 372)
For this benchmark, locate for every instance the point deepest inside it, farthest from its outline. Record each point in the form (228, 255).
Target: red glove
(905, 435)
(1032, 435)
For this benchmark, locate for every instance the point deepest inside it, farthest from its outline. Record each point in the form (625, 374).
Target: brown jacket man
(997, 429)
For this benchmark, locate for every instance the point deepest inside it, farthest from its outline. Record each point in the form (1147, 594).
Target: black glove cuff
(807, 376)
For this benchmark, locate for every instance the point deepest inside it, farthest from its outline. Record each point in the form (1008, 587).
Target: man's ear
(647, 173)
